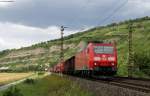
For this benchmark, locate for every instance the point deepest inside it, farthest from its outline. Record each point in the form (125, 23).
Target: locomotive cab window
(103, 49)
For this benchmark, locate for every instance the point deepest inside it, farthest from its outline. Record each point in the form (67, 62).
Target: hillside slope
(47, 53)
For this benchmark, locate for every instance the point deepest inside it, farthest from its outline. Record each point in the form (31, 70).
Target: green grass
(51, 86)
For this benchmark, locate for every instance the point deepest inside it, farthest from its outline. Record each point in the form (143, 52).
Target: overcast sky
(26, 22)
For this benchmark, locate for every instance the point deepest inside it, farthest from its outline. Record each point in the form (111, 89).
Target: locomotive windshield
(103, 49)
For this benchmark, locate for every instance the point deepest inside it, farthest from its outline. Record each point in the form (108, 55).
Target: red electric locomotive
(97, 58)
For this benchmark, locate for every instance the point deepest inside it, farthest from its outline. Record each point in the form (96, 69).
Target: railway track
(132, 86)
(141, 85)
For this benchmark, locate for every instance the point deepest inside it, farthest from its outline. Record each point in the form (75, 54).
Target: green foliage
(29, 81)
(41, 73)
(3, 53)
(12, 91)
(28, 68)
(142, 60)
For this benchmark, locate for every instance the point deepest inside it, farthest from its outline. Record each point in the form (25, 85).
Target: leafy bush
(29, 81)
(4, 52)
(142, 60)
(41, 73)
(12, 91)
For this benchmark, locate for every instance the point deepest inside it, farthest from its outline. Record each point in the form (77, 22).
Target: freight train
(93, 58)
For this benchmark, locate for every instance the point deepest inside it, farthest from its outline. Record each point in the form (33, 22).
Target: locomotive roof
(95, 42)
(83, 44)
(101, 42)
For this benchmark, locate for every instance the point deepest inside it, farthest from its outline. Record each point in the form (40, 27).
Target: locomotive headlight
(97, 58)
(113, 64)
(95, 64)
(111, 58)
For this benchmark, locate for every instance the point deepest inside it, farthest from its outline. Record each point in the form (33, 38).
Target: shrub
(12, 91)
(29, 81)
(142, 60)
(41, 73)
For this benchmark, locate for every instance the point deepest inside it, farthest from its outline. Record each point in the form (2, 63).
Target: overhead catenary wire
(101, 22)
(113, 13)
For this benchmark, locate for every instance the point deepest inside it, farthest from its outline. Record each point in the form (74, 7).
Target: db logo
(103, 56)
